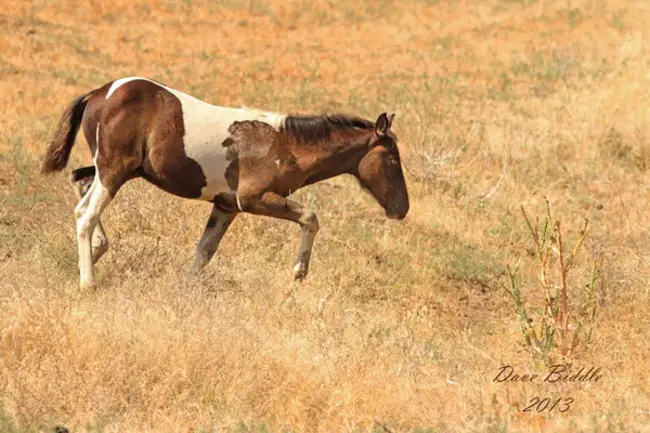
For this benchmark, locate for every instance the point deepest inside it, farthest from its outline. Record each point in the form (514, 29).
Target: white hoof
(299, 271)
(87, 285)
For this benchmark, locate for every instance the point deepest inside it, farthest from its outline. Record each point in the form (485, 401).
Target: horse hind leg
(87, 213)
(82, 179)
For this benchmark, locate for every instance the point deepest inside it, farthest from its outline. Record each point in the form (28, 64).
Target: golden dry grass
(400, 325)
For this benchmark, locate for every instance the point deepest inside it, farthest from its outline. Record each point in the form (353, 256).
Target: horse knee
(310, 221)
(85, 225)
(79, 211)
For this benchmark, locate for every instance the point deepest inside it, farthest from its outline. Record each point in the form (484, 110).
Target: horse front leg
(276, 206)
(216, 227)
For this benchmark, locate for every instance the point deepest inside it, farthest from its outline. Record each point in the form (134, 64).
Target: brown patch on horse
(232, 171)
(232, 174)
(96, 103)
(142, 131)
(266, 161)
(228, 144)
(249, 137)
(121, 136)
(165, 162)
(141, 134)
(336, 143)
(346, 162)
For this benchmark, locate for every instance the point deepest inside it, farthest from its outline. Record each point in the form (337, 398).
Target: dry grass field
(400, 326)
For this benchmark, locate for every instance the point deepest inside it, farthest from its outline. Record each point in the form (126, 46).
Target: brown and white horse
(240, 160)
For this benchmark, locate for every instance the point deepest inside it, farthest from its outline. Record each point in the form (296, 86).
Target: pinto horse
(240, 160)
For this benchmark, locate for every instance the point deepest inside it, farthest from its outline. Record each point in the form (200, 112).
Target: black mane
(314, 128)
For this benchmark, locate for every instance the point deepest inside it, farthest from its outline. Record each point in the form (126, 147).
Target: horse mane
(314, 128)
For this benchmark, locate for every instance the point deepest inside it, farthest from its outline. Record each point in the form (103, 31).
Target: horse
(238, 159)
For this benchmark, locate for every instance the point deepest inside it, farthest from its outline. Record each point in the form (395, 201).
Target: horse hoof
(88, 285)
(193, 273)
(299, 271)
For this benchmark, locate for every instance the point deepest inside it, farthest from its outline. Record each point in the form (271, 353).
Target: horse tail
(58, 152)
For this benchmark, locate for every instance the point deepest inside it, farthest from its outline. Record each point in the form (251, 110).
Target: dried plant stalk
(556, 333)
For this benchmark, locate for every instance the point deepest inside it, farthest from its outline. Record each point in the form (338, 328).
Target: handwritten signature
(557, 373)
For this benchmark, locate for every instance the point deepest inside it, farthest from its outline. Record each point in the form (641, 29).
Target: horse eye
(392, 160)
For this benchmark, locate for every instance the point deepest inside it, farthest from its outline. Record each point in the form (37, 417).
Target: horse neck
(340, 154)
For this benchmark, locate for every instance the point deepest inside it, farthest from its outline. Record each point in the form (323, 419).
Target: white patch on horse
(206, 128)
(119, 83)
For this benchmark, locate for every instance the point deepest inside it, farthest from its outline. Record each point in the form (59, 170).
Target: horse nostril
(396, 214)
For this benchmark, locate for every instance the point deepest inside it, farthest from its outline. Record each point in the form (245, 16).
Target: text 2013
(562, 404)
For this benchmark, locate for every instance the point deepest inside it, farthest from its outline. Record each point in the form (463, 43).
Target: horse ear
(390, 120)
(382, 125)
